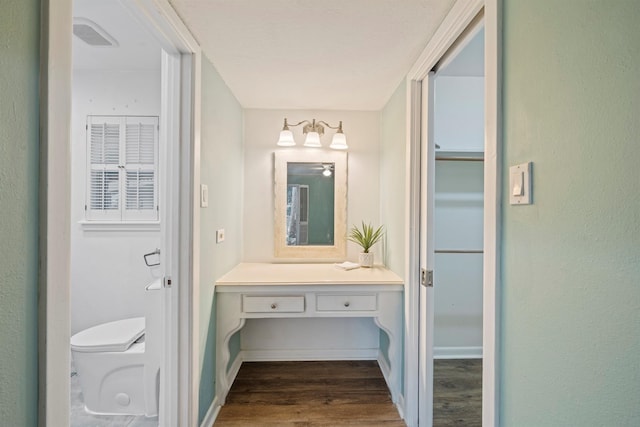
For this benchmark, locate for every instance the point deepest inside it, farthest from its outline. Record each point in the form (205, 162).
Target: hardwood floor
(344, 393)
(309, 394)
(457, 392)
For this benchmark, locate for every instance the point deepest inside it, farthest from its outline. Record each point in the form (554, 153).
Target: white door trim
(55, 120)
(55, 213)
(492, 219)
(427, 248)
(460, 16)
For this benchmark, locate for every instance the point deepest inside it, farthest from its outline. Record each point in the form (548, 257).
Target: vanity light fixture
(313, 130)
(326, 170)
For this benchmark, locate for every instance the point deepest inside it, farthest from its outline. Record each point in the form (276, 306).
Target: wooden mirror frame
(335, 252)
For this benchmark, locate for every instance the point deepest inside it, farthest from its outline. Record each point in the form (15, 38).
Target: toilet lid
(112, 336)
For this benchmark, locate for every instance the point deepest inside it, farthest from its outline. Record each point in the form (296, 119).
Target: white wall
(393, 164)
(458, 277)
(262, 128)
(221, 169)
(108, 274)
(352, 336)
(459, 127)
(459, 113)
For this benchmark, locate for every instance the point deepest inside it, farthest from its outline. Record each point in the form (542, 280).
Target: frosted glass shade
(313, 140)
(286, 139)
(339, 142)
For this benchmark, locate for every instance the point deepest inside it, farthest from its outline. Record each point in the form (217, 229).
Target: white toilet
(117, 376)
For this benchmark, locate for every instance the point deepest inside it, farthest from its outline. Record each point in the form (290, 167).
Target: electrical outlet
(220, 235)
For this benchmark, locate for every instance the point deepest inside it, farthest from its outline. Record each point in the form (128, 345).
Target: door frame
(460, 16)
(55, 190)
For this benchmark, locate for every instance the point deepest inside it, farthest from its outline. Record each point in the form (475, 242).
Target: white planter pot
(365, 259)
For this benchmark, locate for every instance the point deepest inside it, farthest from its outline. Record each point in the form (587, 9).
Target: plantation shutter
(141, 192)
(122, 168)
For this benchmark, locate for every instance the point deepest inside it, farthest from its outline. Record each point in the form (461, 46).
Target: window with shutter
(122, 170)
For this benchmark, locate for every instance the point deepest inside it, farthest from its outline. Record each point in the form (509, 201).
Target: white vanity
(294, 291)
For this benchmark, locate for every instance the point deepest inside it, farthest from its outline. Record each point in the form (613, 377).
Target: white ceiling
(137, 49)
(289, 54)
(313, 54)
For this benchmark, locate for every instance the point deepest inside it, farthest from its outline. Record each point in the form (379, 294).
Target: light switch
(520, 184)
(204, 196)
(517, 183)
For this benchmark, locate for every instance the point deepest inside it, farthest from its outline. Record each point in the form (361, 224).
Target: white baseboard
(457, 352)
(384, 367)
(231, 376)
(211, 414)
(396, 395)
(307, 355)
(400, 406)
(233, 371)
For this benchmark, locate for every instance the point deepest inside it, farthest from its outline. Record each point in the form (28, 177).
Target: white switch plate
(220, 235)
(520, 184)
(204, 196)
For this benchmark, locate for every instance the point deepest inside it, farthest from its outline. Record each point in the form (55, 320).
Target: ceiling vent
(92, 34)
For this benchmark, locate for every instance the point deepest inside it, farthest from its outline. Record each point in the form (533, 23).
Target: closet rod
(460, 159)
(459, 251)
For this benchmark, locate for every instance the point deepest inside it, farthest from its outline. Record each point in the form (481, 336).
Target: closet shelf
(459, 251)
(459, 197)
(460, 156)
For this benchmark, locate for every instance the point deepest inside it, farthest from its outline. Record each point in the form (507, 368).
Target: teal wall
(321, 191)
(571, 262)
(222, 170)
(393, 131)
(19, 140)
(393, 139)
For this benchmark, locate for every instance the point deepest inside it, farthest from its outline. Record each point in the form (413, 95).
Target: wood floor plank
(302, 384)
(457, 393)
(320, 397)
(344, 423)
(344, 394)
(309, 394)
(311, 412)
(313, 369)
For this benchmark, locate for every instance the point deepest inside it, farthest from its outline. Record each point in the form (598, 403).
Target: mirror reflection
(310, 204)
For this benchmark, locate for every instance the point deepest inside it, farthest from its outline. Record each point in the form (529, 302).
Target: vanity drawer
(346, 302)
(272, 304)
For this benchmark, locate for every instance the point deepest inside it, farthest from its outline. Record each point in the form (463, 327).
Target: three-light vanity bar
(313, 129)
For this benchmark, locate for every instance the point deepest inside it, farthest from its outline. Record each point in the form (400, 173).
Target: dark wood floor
(309, 394)
(345, 393)
(457, 392)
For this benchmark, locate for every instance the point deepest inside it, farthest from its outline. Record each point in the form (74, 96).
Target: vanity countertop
(248, 273)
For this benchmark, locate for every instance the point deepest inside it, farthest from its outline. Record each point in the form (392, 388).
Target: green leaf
(366, 236)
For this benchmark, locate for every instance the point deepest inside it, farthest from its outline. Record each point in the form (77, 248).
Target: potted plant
(366, 237)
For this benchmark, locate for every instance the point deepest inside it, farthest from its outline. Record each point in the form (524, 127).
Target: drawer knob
(347, 304)
(274, 306)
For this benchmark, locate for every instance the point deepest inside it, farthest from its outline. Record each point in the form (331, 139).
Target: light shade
(312, 140)
(286, 139)
(339, 141)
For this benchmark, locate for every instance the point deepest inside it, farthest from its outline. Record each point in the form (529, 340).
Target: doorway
(178, 125)
(117, 209)
(462, 20)
(458, 204)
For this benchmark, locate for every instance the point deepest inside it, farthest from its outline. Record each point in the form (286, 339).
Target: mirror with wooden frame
(310, 192)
